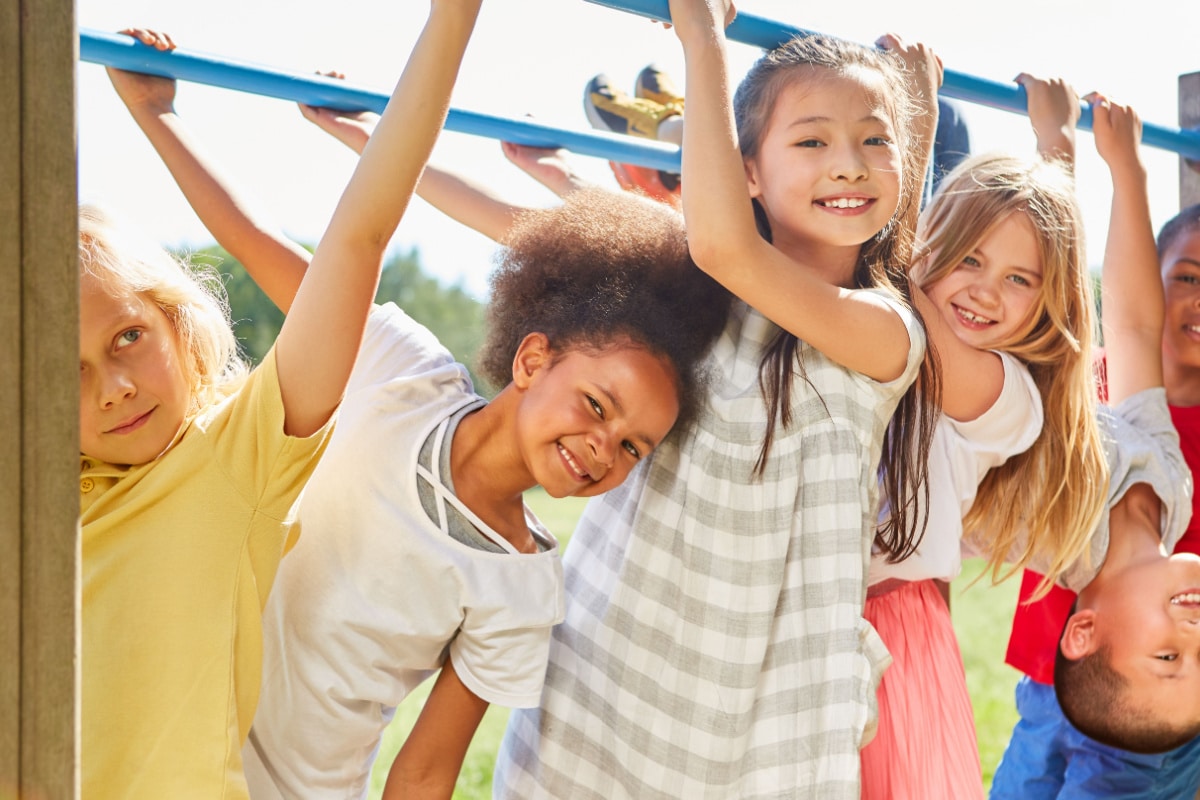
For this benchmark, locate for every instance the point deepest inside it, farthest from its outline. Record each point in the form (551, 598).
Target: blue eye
(971, 261)
(1019, 280)
(126, 338)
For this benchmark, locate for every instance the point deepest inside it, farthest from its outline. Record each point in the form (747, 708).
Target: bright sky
(534, 57)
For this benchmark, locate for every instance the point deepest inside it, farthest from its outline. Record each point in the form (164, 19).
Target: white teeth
(845, 202)
(583, 476)
(1186, 597)
(967, 315)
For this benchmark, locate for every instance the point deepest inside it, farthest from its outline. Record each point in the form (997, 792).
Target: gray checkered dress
(714, 644)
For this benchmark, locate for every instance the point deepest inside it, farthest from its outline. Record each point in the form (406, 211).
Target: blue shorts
(1047, 759)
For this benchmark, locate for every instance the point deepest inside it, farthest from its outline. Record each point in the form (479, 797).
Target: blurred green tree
(454, 316)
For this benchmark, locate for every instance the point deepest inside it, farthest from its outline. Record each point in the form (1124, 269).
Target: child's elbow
(710, 253)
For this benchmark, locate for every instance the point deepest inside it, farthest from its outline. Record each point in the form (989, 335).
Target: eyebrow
(818, 118)
(125, 316)
(620, 409)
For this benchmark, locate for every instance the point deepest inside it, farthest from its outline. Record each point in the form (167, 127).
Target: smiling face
(133, 393)
(827, 170)
(1148, 617)
(1181, 281)
(989, 297)
(588, 417)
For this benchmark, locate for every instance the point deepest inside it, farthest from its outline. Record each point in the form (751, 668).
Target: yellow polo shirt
(178, 557)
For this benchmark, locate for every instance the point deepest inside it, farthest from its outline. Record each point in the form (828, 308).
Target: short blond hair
(192, 296)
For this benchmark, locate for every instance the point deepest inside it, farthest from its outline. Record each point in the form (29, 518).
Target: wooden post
(39, 391)
(1189, 119)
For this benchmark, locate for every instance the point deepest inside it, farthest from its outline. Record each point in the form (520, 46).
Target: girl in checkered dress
(713, 644)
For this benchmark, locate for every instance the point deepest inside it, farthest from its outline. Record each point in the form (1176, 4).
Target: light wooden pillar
(39, 398)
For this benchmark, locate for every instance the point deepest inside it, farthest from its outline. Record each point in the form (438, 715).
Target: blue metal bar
(124, 52)
(765, 33)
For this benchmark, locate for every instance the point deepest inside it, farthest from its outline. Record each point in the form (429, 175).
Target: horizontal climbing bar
(765, 33)
(124, 52)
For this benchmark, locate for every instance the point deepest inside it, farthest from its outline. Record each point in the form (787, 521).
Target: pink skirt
(925, 748)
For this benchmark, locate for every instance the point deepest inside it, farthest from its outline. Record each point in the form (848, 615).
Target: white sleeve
(960, 456)
(501, 650)
(1161, 463)
(394, 345)
(1009, 427)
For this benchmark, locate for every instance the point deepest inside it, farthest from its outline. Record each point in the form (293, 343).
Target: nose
(984, 289)
(849, 164)
(116, 388)
(603, 443)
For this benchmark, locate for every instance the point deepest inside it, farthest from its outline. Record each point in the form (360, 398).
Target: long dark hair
(882, 263)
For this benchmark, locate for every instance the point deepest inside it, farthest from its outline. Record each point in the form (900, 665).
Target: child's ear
(533, 355)
(752, 180)
(1079, 637)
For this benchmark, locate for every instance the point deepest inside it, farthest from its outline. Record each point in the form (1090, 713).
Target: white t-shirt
(1141, 446)
(960, 455)
(375, 595)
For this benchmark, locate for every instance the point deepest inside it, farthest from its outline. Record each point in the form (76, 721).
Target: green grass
(982, 615)
(982, 619)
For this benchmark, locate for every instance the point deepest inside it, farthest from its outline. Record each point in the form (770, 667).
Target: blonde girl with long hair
(1017, 470)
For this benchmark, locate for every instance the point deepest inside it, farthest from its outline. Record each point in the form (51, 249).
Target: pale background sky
(534, 57)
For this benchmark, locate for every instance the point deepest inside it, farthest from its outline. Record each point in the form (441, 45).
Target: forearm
(317, 346)
(276, 263)
(428, 764)
(1132, 287)
(923, 132)
(467, 202)
(716, 202)
(394, 157)
(1057, 143)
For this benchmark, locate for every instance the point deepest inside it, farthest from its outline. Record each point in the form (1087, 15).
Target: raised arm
(1131, 288)
(275, 262)
(854, 328)
(924, 71)
(456, 196)
(320, 337)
